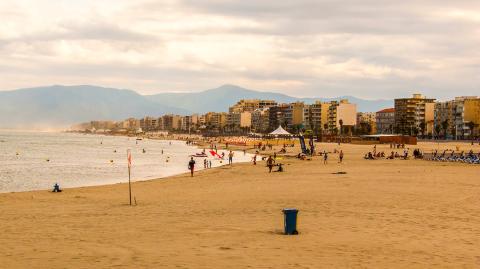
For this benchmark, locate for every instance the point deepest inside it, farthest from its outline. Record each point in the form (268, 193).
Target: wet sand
(380, 214)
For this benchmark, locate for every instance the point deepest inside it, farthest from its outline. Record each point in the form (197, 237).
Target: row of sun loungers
(462, 158)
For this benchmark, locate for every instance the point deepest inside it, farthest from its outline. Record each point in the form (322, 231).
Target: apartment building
(149, 123)
(293, 115)
(444, 119)
(414, 115)
(385, 121)
(277, 116)
(260, 120)
(367, 119)
(316, 116)
(216, 120)
(341, 112)
(467, 116)
(250, 105)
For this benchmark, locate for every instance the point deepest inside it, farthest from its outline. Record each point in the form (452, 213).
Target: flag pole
(129, 158)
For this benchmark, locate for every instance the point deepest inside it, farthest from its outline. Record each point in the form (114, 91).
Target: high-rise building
(385, 121)
(367, 120)
(341, 114)
(414, 115)
(277, 116)
(444, 119)
(249, 105)
(316, 116)
(216, 120)
(236, 120)
(260, 120)
(467, 116)
(293, 115)
(149, 123)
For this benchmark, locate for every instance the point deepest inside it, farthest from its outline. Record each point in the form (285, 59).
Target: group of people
(208, 163)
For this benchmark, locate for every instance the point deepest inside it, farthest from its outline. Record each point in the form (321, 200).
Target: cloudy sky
(323, 48)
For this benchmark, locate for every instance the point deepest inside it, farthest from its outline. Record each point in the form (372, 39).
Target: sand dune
(381, 214)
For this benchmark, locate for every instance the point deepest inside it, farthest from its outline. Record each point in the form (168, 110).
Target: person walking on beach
(205, 165)
(340, 156)
(191, 166)
(325, 157)
(230, 157)
(254, 159)
(270, 162)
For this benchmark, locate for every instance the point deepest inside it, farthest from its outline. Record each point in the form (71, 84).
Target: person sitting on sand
(301, 156)
(56, 188)
(191, 166)
(270, 163)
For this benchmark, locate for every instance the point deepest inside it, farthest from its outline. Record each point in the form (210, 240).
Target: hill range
(61, 106)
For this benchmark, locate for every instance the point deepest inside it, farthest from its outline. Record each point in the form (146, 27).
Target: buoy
(47, 160)
(111, 161)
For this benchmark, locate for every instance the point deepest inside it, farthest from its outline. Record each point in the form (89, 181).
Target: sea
(37, 160)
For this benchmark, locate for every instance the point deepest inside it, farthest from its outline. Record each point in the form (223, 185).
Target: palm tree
(471, 127)
(445, 128)
(341, 126)
(422, 128)
(437, 130)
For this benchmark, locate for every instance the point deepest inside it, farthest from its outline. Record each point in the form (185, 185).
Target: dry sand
(381, 214)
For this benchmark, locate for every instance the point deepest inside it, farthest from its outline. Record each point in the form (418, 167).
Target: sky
(316, 48)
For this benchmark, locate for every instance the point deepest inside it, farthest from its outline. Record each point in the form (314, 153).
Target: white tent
(280, 131)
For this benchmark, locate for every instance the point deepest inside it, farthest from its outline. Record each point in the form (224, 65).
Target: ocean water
(36, 160)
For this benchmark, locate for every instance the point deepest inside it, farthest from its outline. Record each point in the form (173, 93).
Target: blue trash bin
(290, 220)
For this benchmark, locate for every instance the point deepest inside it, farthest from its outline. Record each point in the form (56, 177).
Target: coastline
(107, 176)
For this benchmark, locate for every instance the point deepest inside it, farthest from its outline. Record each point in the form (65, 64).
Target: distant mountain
(221, 98)
(61, 106)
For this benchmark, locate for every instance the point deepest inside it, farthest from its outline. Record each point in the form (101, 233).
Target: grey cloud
(300, 17)
(438, 53)
(91, 31)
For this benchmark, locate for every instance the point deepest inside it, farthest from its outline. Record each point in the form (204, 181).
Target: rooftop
(387, 110)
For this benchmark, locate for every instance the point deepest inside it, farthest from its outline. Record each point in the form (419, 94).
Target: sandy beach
(380, 214)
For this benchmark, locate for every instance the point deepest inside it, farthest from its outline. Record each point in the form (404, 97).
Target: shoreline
(112, 180)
